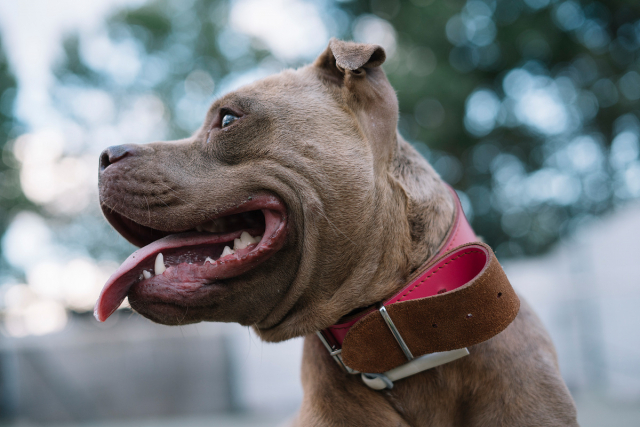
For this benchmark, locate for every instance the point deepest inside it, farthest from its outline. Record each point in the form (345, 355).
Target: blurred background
(529, 108)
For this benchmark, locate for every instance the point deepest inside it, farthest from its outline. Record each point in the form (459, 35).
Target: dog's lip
(137, 234)
(141, 235)
(119, 284)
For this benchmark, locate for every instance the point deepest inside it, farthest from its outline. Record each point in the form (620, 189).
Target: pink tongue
(118, 285)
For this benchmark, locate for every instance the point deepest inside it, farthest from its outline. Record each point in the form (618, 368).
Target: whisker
(174, 191)
(337, 229)
(161, 200)
(148, 208)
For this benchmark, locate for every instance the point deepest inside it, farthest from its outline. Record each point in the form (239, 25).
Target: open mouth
(178, 268)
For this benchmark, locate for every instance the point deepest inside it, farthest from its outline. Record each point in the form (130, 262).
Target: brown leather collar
(460, 297)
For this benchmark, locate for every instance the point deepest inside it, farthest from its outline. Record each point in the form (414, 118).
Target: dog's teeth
(227, 251)
(239, 244)
(209, 260)
(244, 241)
(159, 267)
(246, 238)
(146, 274)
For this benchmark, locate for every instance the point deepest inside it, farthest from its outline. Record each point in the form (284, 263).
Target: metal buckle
(396, 334)
(384, 380)
(335, 353)
(413, 366)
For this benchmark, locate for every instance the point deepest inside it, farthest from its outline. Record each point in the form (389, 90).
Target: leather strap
(472, 301)
(459, 298)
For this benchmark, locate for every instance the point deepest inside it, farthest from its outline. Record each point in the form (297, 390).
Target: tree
(11, 197)
(528, 107)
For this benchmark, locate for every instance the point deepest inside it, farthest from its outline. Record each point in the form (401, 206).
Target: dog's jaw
(184, 269)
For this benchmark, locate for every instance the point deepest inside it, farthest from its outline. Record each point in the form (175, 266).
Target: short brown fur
(365, 210)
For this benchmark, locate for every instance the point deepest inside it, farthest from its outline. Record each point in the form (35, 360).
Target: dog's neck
(419, 211)
(430, 207)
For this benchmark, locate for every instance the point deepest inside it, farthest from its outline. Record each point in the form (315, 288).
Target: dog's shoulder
(515, 368)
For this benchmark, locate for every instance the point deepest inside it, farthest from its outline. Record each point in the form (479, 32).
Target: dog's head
(279, 212)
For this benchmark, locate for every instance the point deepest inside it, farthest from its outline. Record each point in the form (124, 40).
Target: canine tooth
(209, 260)
(146, 274)
(159, 267)
(227, 251)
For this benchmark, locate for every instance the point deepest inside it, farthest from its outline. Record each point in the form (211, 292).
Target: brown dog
(328, 211)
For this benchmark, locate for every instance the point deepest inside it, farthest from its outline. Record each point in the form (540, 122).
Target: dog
(298, 205)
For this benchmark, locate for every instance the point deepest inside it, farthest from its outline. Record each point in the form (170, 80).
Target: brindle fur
(365, 210)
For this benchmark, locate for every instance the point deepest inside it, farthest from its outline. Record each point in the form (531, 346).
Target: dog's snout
(114, 154)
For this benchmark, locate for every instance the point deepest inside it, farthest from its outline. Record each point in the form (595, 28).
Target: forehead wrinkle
(231, 100)
(272, 91)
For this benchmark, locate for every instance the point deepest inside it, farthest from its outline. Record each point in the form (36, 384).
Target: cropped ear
(342, 61)
(353, 71)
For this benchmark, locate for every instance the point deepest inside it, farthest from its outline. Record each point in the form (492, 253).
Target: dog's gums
(180, 268)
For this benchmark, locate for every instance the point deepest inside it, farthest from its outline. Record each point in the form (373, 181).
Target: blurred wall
(126, 368)
(587, 293)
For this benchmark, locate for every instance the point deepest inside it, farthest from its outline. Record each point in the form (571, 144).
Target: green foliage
(11, 198)
(515, 102)
(592, 49)
(72, 66)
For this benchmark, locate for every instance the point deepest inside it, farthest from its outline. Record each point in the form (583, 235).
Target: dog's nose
(113, 154)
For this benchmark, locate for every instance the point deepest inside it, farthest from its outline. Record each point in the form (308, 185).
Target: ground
(593, 411)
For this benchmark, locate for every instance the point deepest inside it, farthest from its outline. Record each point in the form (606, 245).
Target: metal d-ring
(382, 377)
(396, 334)
(335, 353)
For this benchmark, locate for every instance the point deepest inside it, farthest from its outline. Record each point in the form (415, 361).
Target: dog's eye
(227, 120)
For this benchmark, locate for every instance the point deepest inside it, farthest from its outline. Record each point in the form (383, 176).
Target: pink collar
(460, 233)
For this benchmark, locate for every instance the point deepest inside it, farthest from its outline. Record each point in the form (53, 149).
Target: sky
(31, 53)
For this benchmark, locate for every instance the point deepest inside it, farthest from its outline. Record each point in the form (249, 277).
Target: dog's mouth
(178, 268)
